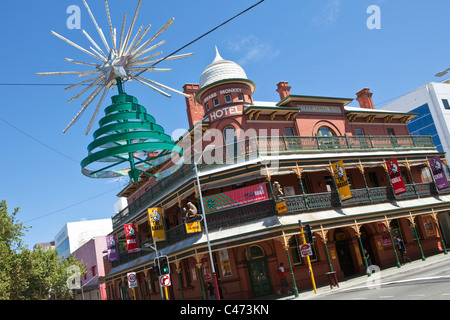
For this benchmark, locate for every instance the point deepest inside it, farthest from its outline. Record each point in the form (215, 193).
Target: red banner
(233, 198)
(130, 236)
(395, 176)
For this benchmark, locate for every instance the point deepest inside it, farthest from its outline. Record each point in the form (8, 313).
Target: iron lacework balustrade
(251, 148)
(295, 204)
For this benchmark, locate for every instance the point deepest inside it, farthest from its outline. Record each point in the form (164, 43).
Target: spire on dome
(218, 57)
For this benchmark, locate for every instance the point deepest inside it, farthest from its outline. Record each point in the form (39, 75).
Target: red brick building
(293, 141)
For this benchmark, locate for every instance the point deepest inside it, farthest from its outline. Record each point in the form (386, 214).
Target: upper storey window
(228, 98)
(325, 132)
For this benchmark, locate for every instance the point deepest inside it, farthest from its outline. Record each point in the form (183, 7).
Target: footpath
(364, 281)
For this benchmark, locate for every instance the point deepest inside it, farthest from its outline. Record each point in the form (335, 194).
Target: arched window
(325, 132)
(254, 252)
(229, 135)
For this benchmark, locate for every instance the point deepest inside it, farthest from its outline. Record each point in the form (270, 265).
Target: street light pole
(206, 228)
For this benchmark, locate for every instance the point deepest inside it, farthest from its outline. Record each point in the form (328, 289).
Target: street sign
(165, 281)
(132, 281)
(306, 250)
(282, 207)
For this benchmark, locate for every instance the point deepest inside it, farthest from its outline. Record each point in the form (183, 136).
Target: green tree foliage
(31, 274)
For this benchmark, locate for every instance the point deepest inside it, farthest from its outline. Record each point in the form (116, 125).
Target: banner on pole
(130, 236)
(437, 168)
(156, 224)
(395, 176)
(111, 245)
(340, 177)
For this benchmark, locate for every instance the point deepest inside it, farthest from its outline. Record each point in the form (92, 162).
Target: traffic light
(156, 267)
(308, 234)
(164, 267)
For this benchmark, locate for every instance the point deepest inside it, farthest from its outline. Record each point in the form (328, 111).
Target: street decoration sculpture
(128, 141)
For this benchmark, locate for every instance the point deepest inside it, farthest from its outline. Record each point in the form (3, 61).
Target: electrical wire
(73, 205)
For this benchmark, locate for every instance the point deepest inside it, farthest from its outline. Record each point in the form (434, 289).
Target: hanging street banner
(340, 176)
(111, 245)
(234, 198)
(437, 167)
(156, 224)
(130, 236)
(395, 176)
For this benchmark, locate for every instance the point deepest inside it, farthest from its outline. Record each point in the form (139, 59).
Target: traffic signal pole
(309, 260)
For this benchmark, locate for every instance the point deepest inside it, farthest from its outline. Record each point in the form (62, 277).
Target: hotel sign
(225, 112)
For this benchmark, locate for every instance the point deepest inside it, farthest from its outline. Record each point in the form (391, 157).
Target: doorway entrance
(258, 271)
(343, 252)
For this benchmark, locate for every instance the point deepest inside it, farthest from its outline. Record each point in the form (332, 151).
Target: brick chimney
(195, 111)
(364, 98)
(283, 89)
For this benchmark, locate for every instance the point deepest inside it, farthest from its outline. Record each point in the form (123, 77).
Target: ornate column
(361, 169)
(198, 259)
(325, 241)
(298, 170)
(388, 226)
(180, 278)
(413, 224)
(357, 229)
(285, 242)
(435, 218)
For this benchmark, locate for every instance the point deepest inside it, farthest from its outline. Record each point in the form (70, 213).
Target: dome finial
(218, 57)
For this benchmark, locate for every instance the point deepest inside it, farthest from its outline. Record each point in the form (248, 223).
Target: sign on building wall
(234, 198)
(437, 168)
(156, 224)
(395, 176)
(111, 245)
(131, 238)
(340, 177)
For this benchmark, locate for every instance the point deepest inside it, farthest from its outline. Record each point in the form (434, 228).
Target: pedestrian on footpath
(284, 283)
(402, 249)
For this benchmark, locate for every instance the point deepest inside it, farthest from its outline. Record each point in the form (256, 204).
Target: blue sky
(321, 47)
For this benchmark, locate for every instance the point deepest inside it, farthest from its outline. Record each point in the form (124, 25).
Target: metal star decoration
(124, 60)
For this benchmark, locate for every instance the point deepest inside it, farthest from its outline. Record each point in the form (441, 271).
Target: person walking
(402, 249)
(284, 283)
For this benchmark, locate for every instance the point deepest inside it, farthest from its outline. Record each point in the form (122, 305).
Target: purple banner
(437, 167)
(111, 245)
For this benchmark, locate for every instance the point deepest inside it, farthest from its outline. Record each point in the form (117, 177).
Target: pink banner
(234, 198)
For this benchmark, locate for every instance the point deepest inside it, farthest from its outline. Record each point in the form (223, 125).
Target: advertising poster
(395, 176)
(111, 245)
(234, 198)
(206, 269)
(437, 168)
(385, 238)
(225, 263)
(340, 177)
(156, 224)
(130, 236)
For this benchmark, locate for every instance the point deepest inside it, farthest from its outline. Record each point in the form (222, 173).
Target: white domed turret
(220, 70)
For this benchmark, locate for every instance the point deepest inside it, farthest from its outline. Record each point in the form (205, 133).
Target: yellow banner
(193, 227)
(340, 177)
(156, 224)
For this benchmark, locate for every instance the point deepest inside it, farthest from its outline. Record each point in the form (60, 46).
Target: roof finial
(218, 57)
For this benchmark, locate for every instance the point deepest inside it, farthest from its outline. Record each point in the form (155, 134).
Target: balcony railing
(251, 148)
(295, 204)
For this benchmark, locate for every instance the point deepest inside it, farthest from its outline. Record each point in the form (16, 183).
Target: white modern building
(432, 104)
(74, 234)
